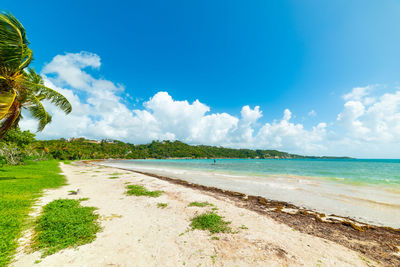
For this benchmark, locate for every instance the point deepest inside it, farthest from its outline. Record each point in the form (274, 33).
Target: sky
(309, 77)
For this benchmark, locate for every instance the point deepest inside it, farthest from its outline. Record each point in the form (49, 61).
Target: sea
(367, 190)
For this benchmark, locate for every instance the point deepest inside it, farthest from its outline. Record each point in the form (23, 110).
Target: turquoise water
(368, 171)
(364, 189)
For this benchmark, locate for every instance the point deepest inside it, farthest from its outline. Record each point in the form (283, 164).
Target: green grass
(83, 199)
(113, 177)
(65, 223)
(210, 221)
(138, 190)
(213, 258)
(162, 205)
(200, 204)
(116, 173)
(19, 187)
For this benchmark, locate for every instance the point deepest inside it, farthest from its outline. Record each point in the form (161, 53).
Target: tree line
(18, 145)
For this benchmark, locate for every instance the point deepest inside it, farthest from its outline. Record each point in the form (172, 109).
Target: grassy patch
(162, 205)
(138, 190)
(83, 199)
(19, 187)
(200, 204)
(116, 173)
(213, 258)
(243, 227)
(210, 221)
(113, 177)
(65, 223)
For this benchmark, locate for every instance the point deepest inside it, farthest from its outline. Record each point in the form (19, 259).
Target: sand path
(138, 233)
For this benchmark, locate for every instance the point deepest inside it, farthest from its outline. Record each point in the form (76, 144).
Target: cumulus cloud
(368, 125)
(291, 136)
(371, 119)
(99, 112)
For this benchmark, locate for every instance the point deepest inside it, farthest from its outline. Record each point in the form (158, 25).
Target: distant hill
(81, 148)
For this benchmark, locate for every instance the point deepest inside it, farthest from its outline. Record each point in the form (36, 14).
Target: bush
(11, 154)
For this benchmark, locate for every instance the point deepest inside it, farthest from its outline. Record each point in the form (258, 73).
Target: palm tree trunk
(8, 122)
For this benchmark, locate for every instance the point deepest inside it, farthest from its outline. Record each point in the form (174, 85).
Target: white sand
(138, 233)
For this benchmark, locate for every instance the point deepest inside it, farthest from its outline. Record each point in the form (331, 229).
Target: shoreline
(386, 216)
(376, 242)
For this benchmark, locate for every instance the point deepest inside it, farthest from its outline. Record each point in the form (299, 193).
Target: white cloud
(101, 113)
(358, 93)
(312, 113)
(369, 125)
(293, 137)
(371, 119)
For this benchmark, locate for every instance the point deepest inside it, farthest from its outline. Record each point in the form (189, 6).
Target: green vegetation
(210, 221)
(138, 190)
(81, 148)
(19, 187)
(65, 223)
(243, 227)
(18, 146)
(200, 204)
(162, 205)
(21, 87)
(113, 177)
(213, 258)
(83, 199)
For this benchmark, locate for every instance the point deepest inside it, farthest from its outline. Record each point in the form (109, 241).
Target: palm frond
(27, 57)
(14, 51)
(33, 77)
(38, 112)
(45, 93)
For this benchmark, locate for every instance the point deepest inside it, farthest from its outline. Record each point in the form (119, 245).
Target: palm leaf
(14, 51)
(38, 112)
(35, 83)
(45, 93)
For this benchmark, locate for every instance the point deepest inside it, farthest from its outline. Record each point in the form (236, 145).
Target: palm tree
(21, 87)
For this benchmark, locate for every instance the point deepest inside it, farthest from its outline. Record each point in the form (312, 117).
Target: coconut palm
(21, 87)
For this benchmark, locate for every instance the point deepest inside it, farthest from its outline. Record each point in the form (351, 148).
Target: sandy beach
(136, 232)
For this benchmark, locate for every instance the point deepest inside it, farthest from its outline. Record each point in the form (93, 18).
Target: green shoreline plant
(210, 221)
(162, 205)
(65, 223)
(138, 190)
(200, 204)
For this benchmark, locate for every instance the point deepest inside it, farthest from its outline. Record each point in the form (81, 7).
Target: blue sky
(296, 55)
